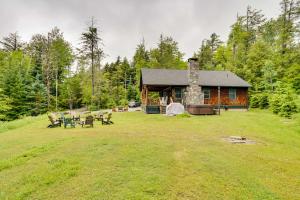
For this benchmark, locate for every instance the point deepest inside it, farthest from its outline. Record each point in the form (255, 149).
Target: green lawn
(152, 157)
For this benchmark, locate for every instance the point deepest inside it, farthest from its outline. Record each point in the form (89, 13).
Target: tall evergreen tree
(207, 50)
(290, 13)
(91, 49)
(14, 84)
(167, 54)
(36, 96)
(141, 59)
(5, 106)
(12, 42)
(252, 22)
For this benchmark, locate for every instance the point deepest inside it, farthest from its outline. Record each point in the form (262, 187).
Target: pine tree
(205, 55)
(167, 54)
(14, 84)
(141, 59)
(12, 42)
(207, 51)
(5, 106)
(259, 53)
(290, 13)
(91, 49)
(252, 22)
(36, 97)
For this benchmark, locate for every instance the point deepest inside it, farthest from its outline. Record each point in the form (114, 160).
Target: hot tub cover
(174, 109)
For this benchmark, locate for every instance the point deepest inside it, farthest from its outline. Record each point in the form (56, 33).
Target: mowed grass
(152, 157)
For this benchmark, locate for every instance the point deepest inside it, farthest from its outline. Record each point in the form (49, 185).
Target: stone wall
(194, 94)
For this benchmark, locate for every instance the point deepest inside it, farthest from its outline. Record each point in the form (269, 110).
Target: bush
(264, 101)
(275, 103)
(288, 107)
(296, 84)
(254, 101)
(259, 101)
(111, 103)
(283, 104)
(124, 102)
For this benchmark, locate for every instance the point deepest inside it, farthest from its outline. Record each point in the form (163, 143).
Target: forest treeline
(48, 74)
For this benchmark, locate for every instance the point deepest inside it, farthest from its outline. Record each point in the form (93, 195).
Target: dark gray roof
(179, 78)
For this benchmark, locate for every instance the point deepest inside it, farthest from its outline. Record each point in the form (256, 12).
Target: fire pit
(239, 140)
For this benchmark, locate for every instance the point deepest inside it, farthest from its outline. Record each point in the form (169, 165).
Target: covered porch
(155, 98)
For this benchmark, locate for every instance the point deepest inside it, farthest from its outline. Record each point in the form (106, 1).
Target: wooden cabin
(220, 89)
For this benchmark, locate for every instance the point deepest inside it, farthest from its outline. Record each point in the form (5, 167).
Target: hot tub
(205, 109)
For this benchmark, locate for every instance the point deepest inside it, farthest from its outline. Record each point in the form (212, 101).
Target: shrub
(283, 104)
(254, 101)
(111, 103)
(288, 106)
(296, 84)
(123, 102)
(259, 101)
(264, 101)
(275, 103)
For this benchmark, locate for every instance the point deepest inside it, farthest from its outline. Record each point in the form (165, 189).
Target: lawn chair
(107, 120)
(99, 116)
(76, 118)
(62, 117)
(69, 121)
(89, 120)
(54, 122)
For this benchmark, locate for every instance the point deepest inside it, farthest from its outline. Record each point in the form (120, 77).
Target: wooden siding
(241, 96)
(240, 101)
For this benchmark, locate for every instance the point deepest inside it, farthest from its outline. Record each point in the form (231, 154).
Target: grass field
(152, 157)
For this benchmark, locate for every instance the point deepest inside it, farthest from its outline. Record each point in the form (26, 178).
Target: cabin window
(178, 93)
(206, 92)
(232, 93)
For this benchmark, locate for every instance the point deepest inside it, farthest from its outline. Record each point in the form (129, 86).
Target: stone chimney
(194, 94)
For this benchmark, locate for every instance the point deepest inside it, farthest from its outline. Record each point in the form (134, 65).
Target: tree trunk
(48, 88)
(56, 88)
(283, 42)
(93, 78)
(48, 73)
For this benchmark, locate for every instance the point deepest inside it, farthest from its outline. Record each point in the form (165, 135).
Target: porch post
(146, 100)
(219, 98)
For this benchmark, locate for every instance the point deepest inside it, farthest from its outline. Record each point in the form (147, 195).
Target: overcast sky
(124, 23)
